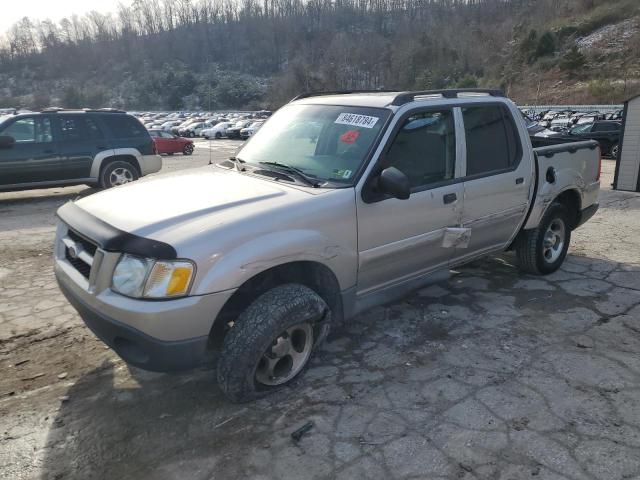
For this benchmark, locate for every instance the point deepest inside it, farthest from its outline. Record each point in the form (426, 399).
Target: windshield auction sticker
(356, 120)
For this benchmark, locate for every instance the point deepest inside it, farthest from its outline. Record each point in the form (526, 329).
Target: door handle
(449, 198)
(519, 180)
(101, 147)
(48, 151)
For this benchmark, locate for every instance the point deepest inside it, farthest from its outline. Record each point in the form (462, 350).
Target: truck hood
(167, 202)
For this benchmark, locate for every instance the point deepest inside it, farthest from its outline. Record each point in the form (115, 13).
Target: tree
(72, 98)
(573, 60)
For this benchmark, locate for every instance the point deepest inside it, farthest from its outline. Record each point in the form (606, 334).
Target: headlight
(147, 278)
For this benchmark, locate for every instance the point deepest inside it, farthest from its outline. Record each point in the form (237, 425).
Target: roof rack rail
(339, 92)
(100, 110)
(406, 97)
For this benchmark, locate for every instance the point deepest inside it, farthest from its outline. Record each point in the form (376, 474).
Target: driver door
(401, 240)
(34, 157)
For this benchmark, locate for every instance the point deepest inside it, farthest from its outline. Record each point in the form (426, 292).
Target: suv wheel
(118, 173)
(542, 250)
(615, 151)
(188, 149)
(271, 341)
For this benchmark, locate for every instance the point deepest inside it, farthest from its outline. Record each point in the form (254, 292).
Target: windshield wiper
(237, 162)
(283, 167)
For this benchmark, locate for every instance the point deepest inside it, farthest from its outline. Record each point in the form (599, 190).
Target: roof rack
(93, 110)
(406, 97)
(338, 92)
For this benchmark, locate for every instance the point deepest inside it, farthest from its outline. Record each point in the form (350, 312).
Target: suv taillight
(599, 164)
(155, 148)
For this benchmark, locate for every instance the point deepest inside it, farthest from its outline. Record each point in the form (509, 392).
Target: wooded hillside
(212, 54)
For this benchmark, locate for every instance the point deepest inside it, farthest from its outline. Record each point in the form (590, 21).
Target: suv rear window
(124, 126)
(79, 127)
(492, 139)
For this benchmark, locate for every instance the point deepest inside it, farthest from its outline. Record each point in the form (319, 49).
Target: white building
(627, 175)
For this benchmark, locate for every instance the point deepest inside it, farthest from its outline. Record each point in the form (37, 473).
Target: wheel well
(571, 200)
(124, 158)
(314, 275)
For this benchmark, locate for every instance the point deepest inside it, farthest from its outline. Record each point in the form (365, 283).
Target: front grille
(78, 264)
(88, 247)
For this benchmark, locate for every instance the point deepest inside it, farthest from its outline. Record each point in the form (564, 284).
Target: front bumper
(137, 348)
(157, 335)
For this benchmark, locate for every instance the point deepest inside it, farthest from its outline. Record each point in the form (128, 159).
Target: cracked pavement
(491, 375)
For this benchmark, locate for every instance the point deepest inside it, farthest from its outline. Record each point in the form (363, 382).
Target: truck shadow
(122, 422)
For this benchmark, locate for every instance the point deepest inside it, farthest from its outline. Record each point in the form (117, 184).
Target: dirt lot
(491, 375)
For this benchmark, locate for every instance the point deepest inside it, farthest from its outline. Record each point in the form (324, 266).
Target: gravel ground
(491, 375)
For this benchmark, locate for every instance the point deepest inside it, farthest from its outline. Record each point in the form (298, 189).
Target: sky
(14, 10)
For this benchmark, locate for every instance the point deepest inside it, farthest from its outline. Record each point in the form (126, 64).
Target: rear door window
(492, 140)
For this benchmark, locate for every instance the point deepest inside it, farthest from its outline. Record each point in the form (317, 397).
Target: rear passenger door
(497, 180)
(81, 140)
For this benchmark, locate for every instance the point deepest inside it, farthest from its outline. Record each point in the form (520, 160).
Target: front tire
(542, 250)
(272, 341)
(187, 150)
(218, 135)
(118, 173)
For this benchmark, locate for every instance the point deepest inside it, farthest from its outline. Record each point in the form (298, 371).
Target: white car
(166, 126)
(217, 131)
(250, 130)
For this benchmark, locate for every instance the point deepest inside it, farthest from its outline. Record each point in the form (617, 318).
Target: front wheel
(188, 149)
(118, 173)
(542, 250)
(271, 341)
(218, 135)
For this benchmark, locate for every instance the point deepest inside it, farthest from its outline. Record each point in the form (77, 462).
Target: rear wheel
(118, 173)
(542, 250)
(272, 341)
(615, 151)
(188, 149)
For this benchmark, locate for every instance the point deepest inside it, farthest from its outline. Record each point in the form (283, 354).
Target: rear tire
(542, 250)
(118, 173)
(615, 151)
(272, 341)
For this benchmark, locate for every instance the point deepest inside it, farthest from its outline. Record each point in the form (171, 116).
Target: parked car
(250, 130)
(195, 129)
(217, 131)
(258, 256)
(168, 143)
(605, 132)
(60, 147)
(234, 131)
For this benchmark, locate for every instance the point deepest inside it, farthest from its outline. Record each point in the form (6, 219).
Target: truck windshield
(326, 142)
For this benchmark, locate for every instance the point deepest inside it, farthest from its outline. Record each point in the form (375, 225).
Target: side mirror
(6, 141)
(395, 183)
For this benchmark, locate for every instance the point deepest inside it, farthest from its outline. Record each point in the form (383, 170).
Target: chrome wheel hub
(120, 176)
(286, 355)
(553, 241)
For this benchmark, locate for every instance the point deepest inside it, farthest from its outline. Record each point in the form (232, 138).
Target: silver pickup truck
(338, 203)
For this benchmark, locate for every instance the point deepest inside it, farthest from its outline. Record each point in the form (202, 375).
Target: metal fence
(578, 108)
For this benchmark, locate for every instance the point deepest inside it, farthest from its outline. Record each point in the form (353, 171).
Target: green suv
(61, 147)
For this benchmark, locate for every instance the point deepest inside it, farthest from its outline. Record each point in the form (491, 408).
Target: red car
(168, 143)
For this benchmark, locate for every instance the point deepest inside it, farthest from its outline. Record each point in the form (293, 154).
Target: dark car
(605, 132)
(61, 147)
(168, 143)
(234, 132)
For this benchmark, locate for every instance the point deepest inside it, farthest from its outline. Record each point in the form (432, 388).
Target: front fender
(231, 269)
